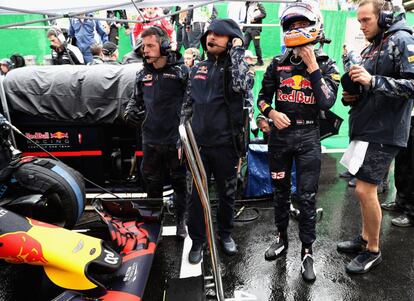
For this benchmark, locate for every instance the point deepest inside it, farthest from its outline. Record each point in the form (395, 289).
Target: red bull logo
(296, 82)
(19, 247)
(59, 135)
(305, 84)
(37, 135)
(47, 135)
(296, 96)
(263, 106)
(288, 82)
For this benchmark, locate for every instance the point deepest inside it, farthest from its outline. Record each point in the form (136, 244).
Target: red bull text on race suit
(296, 82)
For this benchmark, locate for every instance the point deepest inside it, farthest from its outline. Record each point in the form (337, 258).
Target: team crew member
(191, 57)
(5, 66)
(379, 120)
(305, 81)
(134, 56)
(110, 53)
(84, 30)
(214, 101)
(159, 92)
(62, 52)
(404, 184)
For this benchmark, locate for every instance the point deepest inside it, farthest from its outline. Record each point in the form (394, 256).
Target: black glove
(134, 117)
(255, 132)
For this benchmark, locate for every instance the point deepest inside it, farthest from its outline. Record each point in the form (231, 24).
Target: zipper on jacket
(212, 73)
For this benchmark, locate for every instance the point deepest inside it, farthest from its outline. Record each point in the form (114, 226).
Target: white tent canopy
(73, 6)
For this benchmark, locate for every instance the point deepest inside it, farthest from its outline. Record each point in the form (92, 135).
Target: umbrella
(329, 124)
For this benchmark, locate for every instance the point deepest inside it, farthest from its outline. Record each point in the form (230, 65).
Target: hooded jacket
(205, 97)
(382, 113)
(160, 93)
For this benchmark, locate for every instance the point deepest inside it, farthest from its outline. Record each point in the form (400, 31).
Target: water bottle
(351, 59)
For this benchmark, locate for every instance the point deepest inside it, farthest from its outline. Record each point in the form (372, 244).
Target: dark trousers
(180, 37)
(185, 37)
(221, 161)
(113, 35)
(404, 176)
(159, 162)
(194, 36)
(302, 146)
(253, 34)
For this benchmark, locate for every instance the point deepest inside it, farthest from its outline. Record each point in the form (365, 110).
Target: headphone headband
(161, 33)
(386, 17)
(58, 33)
(164, 40)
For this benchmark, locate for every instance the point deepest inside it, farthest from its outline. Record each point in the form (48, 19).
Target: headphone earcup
(385, 19)
(164, 46)
(61, 37)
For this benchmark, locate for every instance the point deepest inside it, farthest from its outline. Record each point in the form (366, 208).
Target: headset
(386, 17)
(165, 44)
(17, 61)
(195, 53)
(57, 33)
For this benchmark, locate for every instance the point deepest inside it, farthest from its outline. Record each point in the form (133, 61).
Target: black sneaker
(364, 262)
(181, 232)
(196, 253)
(228, 245)
(276, 249)
(358, 244)
(307, 270)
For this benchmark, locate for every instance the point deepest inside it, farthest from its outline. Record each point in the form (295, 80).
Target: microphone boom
(211, 44)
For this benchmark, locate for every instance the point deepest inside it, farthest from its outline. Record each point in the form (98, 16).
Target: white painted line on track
(169, 230)
(187, 269)
(124, 195)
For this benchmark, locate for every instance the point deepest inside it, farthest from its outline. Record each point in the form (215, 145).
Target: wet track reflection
(281, 279)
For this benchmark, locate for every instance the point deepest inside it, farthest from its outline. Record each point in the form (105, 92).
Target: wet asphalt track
(281, 279)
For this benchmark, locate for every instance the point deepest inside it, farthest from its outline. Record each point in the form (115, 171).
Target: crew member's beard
(57, 48)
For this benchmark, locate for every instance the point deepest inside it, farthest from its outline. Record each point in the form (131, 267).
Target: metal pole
(199, 176)
(138, 10)
(191, 137)
(186, 9)
(76, 15)
(106, 7)
(29, 22)
(73, 15)
(30, 27)
(57, 16)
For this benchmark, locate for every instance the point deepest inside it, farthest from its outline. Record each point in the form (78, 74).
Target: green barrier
(34, 42)
(23, 41)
